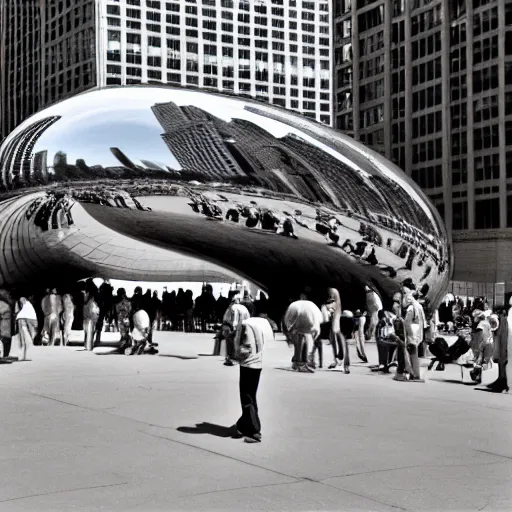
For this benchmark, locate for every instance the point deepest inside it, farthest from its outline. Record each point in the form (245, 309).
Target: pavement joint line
(495, 454)
(298, 479)
(63, 491)
(243, 488)
(416, 466)
(364, 496)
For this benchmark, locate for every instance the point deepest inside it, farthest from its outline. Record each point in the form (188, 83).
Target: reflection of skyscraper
(60, 158)
(123, 158)
(40, 166)
(16, 159)
(152, 165)
(195, 142)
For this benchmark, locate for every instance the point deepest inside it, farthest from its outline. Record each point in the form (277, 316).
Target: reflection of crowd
(108, 197)
(52, 211)
(254, 215)
(416, 249)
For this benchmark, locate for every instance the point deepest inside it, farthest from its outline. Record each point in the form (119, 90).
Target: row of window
(375, 138)
(486, 49)
(428, 177)
(371, 67)
(427, 71)
(426, 45)
(276, 45)
(427, 124)
(427, 151)
(426, 20)
(484, 21)
(427, 98)
(487, 167)
(371, 91)
(211, 24)
(371, 116)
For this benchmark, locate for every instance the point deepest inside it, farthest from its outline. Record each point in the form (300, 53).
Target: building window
(133, 13)
(133, 71)
(485, 79)
(153, 74)
(114, 10)
(174, 77)
(487, 213)
(460, 215)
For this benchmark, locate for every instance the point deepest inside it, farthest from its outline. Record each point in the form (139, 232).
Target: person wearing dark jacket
(105, 303)
(137, 301)
(248, 303)
(501, 354)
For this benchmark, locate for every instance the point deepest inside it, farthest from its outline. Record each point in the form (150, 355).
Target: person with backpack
(251, 336)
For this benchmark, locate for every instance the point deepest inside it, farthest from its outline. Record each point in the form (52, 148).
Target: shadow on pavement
(208, 428)
(178, 357)
(453, 381)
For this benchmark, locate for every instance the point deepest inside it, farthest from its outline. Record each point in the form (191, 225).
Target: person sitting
(384, 330)
(444, 354)
(140, 334)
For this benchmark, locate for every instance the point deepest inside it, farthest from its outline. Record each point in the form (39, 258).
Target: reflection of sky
(135, 132)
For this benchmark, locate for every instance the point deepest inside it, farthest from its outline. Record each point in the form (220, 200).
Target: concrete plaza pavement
(85, 432)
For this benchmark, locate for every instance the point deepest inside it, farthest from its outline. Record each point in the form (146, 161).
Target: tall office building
(47, 53)
(428, 83)
(275, 50)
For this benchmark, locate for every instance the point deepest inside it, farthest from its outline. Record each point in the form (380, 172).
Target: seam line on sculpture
(62, 491)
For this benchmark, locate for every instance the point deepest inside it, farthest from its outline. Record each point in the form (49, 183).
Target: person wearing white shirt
(27, 325)
(251, 336)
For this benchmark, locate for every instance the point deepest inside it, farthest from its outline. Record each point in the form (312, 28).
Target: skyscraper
(428, 83)
(47, 53)
(17, 158)
(275, 50)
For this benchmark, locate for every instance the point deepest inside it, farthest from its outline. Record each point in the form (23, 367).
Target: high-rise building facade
(428, 83)
(274, 50)
(47, 53)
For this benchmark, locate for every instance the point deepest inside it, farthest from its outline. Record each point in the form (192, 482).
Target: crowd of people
(49, 320)
(404, 330)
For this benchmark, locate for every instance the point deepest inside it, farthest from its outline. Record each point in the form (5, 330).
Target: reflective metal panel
(160, 184)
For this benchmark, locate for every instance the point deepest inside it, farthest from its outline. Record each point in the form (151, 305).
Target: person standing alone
(250, 338)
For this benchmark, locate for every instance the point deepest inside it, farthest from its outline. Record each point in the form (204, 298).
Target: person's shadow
(208, 428)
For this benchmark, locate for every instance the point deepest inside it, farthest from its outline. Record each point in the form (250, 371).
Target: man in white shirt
(250, 338)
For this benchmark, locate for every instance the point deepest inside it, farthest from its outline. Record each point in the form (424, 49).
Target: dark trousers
(249, 422)
(6, 340)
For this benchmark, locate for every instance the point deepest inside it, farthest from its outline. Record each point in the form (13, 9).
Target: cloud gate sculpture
(160, 184)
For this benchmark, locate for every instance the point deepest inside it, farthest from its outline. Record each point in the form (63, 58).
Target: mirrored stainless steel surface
(149, 183)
